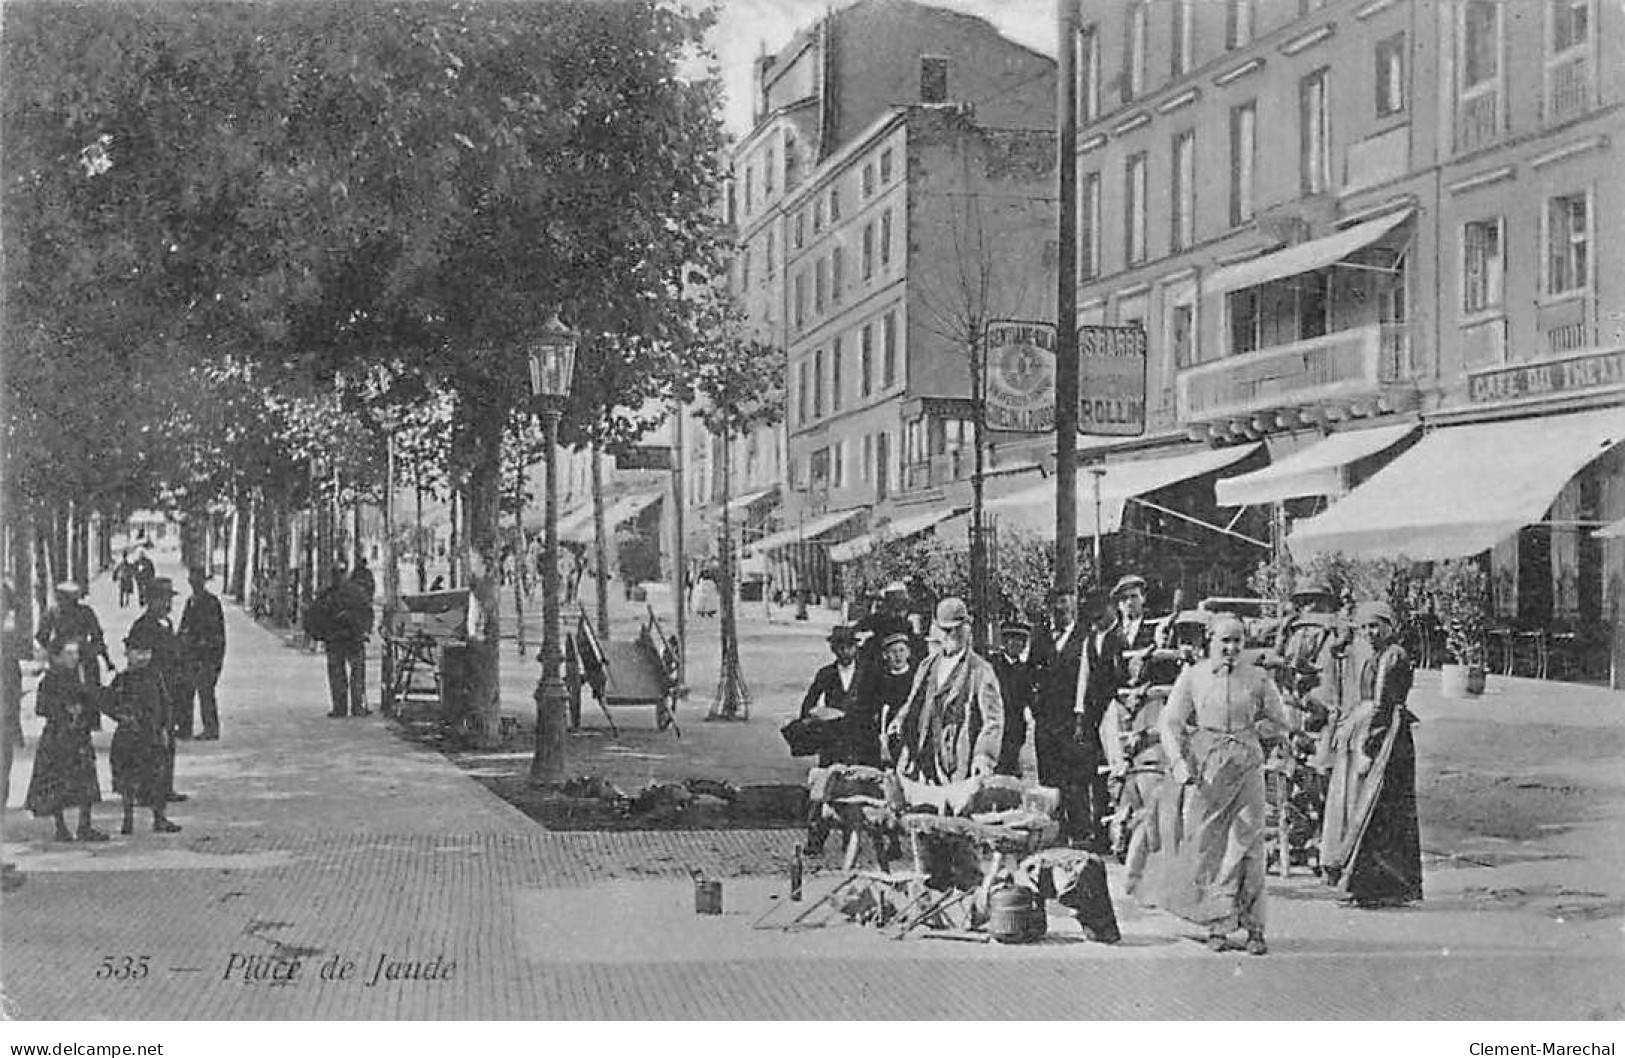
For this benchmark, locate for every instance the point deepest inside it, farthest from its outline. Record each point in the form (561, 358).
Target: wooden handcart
(643, 672)
(415, 641)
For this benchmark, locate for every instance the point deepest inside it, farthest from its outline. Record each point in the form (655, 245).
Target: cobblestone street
(318, 843)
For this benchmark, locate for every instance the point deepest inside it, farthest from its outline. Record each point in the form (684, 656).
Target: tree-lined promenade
(258, 259)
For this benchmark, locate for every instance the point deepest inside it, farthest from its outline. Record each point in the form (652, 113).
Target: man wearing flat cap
(1017, 685)
(952, 726)
(69, 619)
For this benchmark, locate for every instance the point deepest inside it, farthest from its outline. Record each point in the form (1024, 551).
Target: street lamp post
(552, 358)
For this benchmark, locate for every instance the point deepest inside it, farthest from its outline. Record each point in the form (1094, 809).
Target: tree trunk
(44, 530)
(978, 541)
(518, 552)
(599, 542)
(733, 696)
(79, 544)
(456, 536)
(483, 505)
(419, 545)
(392, 568)
(242, 533)
(23, 573)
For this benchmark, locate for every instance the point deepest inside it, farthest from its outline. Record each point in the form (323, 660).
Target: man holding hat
(952, 726)
(72, 619)
(1017, 686)
(203, 639)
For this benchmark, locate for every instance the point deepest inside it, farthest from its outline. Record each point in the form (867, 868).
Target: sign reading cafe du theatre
(1571, 373)
(1021, 378)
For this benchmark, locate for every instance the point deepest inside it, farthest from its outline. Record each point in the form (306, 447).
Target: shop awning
(536, 517)
(741, 504)
(580, 531)
(1612, 531)
(1462, 489)
(1034, 509)
(1314, 471)
(896, 529)
(1304, 257)
(808, 531)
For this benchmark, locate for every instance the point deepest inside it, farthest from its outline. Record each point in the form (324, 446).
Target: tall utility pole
(679, 573)
(1066, 302)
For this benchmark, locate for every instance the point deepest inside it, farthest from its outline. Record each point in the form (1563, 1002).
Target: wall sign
(1591, 371)
(1111, 380)
(1020, 376)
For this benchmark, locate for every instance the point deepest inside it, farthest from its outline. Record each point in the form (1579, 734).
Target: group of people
(168, 668)
(946, 715)
(133, 577)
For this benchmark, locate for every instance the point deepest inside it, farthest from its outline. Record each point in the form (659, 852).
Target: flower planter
(1461, 681)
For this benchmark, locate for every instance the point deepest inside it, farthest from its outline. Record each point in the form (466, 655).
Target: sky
(745, 26)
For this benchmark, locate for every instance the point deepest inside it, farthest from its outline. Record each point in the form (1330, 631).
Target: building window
(1183, 42)
(835, 357)
(1238, 23)
(837, 273)
(1571, 24)
(767, 174)
(868, 179)
(1478, 106)
(1391, 75)
(801, 393)
(1089, 227)
(834, 204)
(820, 284)
(866, 359)
(1182, 333)
(744, 265)
(1568, 63)
(818, 383)
(820, 468)
(1314, 135)
(839, 476)
(885, 166)
(1183, 228)
(888, 352)
(1567, 244)
(868, 251)
(1243, 160)
(1481, 266)
(750, 189)
(1133, 76)
(885, 238)
(883, 449)
(791, 164)
(933, 79)
(1088, 75)
(772, 253)
(1134, 210)
(818, 216)
(801, 228)
(1246, 317)
(801, 299)
(867, 463)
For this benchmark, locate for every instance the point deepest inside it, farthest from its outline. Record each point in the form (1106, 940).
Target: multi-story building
(1367, 236)
(893, 142)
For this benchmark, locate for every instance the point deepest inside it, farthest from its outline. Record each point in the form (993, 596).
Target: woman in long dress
(64, 759)
(1374, 849)
(1208, 862)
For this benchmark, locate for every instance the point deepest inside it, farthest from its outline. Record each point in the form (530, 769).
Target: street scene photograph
(757, 511)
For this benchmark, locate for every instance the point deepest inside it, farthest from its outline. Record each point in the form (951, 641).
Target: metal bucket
(707, 897)
(1016, 915)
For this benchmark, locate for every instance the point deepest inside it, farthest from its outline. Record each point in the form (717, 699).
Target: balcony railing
(1478, 120)
(1351, 363)
(1568, 89)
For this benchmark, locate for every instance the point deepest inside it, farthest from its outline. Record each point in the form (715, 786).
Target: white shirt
(946, 665)
(1062, 639)
(845, 673)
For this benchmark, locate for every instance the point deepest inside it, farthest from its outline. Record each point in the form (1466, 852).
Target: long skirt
(64, 771)
(1385, 863)
(1198, 851)
(142, 765)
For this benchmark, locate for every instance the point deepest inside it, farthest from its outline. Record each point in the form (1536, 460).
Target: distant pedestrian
(341, 619)
(145, 574)
(202, 635)
(142, 754)
(706, 597)
(124, 577)
(65, 760)
(364, 579)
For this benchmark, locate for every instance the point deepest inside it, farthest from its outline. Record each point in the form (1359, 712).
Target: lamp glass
(552, 360)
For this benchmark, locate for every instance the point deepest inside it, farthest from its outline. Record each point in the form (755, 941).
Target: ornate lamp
(552, 362)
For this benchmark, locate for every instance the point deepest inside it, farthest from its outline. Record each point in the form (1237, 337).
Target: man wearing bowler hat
(827, 699)
(1017, 686)
(952, 726)
(203, 640)
(155, 630)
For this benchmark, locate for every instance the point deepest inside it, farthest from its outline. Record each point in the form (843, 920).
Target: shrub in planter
(1460, 594)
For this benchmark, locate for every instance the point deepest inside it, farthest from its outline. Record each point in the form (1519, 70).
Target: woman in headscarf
(1376, 857)
(1211, 837)
(64, 759)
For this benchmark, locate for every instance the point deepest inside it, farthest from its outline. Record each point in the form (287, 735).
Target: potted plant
(1460, 593)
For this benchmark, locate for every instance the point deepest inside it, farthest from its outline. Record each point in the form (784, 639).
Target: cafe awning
(896, 529)
(580, 531)
(808, 531)
(1318, 470)
(741, 504)
(1304, 257)
(1462, 489)
(1034, 509)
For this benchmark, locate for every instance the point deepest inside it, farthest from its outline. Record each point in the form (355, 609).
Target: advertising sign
(1111, 381)
(1574, 373)
(644, 457)
(1020, 376)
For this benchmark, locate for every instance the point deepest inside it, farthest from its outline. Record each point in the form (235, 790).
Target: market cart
(643, 672)
(417, 639)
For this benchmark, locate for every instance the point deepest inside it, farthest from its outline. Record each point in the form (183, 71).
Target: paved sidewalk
(319, 843)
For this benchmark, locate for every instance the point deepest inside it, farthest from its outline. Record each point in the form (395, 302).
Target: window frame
(885, 238)
(1238, 24)
(1466, 308)
(818, 384)
(1135, 31)
(889, 375)
(868, 255)
(1089, 226)
(1182, 178)
(1587, 240)
(1243, 177)
(1136, 177)
(1393, 48)
(1315, 112)
(1182, 38)
(1088, 68)
(866, 359)
(836, 355)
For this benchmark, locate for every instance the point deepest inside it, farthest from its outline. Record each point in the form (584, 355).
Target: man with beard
(952, 724)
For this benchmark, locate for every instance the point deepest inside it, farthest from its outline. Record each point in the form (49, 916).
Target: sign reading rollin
(1111, 380)
(1020, 376)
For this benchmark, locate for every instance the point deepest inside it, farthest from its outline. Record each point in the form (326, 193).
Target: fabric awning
(740, 504)
(1317, 470)
(1034, 509)
(1462, 489)
(1304, 257)
(808, 531)
(536, 518)
(1612, 531)
(896, 529)
(580, 530)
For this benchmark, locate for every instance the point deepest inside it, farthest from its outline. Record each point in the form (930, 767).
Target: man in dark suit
(202, 633)
(827, 697)
(1058, 653)
(1104, 672)
(1017, 686)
